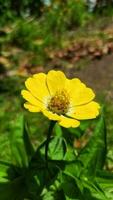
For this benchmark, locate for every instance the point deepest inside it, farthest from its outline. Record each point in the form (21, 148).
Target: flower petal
(31, 108)
(68, 122)
(50, 115)
(37, 86)
(31, 99)
(88, 111)
(79, 93)
(55, 81)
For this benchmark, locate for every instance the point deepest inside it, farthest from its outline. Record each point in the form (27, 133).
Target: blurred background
(75, 36)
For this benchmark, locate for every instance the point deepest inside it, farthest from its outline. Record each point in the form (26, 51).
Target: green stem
(52, 123)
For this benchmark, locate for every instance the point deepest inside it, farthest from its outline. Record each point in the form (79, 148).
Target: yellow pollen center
(59, 103)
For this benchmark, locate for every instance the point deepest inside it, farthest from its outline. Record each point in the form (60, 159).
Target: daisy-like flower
(66, 101)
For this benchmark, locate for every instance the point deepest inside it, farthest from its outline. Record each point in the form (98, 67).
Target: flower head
(64, 100)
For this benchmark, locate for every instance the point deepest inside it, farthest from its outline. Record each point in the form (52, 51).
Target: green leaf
(28, 146)
(57, 148)
(11, 183)
(73, 169)
(105, 180)
(75, 188)
(93, 154)
(94, 189)
(53, 195)
(49, 195)
(21, 148)
(11, 190)
(18, 185)
(4, 171)
(71, 154)
(58, 130)
(71, 188)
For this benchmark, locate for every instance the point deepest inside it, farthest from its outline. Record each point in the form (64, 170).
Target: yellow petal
(50, 115)
(79, 93)
(88, 111)
(31, 99)
(68, 122)
(31, 108)
(37, 86)
(55, 81)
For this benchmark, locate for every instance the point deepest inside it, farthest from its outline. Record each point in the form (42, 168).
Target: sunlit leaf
(93, 154)
(21, 147)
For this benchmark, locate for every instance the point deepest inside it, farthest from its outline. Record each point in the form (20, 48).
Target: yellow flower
(58, 98)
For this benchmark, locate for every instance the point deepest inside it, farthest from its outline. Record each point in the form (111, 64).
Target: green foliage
(24, 33)
(105, 9)
(31, 33)
(10, 9)
(94, 153)
(77, 13)
(67, 176)
(11, 86)
(54, 22)
(21, 148)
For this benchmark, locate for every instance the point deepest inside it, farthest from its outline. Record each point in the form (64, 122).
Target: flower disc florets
(59, 103)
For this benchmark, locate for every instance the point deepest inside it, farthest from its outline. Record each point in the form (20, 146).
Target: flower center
(59, 103)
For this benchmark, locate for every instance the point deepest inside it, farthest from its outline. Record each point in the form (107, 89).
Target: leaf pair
(69, 175)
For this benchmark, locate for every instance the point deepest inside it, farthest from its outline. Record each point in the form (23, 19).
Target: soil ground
(98, 74)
